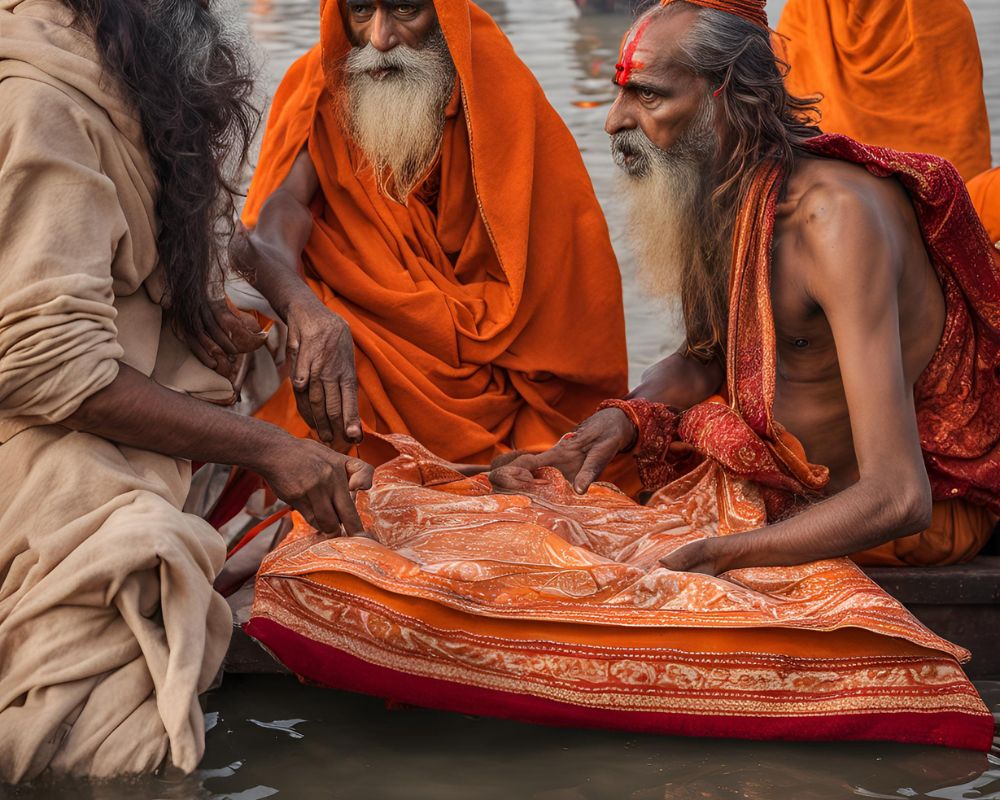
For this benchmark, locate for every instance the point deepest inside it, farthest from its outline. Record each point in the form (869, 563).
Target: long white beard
(665, 191)
(394, 109)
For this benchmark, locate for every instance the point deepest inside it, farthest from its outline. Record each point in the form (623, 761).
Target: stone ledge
(975, 583)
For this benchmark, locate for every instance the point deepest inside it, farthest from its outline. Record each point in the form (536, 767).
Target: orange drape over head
(905, 75)
(487, 312)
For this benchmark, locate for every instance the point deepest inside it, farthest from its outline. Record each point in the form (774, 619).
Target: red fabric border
(327, 666)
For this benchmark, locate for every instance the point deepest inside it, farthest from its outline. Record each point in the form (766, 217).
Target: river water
(271, 737)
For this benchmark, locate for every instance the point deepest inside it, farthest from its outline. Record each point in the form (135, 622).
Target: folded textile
(552, 608)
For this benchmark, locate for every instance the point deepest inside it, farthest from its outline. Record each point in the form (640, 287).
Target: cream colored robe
(109, 627)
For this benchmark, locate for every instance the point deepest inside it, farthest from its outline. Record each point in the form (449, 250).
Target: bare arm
(853, 275)
(320, 346)
(283, 228)
(136, 411)
(680, 381)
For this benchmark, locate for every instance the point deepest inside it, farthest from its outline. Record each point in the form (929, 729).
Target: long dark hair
(765, 123)
(192, 87)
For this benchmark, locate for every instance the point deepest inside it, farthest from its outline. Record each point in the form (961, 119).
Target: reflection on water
(270, 737)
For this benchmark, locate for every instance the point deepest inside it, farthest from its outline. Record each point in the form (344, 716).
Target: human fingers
(242, 329)
(200, 352)
(360, 474)
(219, 335)
(316, 392)
(327, 519)
(518, 476)
(349, 408)
(344, 505)
(594, 462)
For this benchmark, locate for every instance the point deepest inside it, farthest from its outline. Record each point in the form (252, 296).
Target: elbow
(910, 506)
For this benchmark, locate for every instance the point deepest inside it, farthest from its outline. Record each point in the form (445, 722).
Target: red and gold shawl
(957, 396)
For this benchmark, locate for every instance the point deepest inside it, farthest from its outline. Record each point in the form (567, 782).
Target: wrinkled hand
(701, 556)
(319, 483)
(580, 456)
(223, 336)
(321, 352)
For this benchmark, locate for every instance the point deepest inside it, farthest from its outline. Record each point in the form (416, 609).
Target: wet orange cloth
(553, 607)
(984, 190)
(957, 533)
(906, 74)
(487, 313)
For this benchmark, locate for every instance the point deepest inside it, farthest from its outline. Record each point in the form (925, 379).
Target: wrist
(723, 553)
(262, 445)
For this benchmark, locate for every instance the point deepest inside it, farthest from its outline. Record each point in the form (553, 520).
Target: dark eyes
(646, 95)
(365, 11)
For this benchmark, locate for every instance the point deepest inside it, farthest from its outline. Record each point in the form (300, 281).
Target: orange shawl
(905, 75)
(489, 316)
(984, 190)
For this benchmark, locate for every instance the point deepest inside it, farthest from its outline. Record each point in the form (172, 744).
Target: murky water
(270, 737)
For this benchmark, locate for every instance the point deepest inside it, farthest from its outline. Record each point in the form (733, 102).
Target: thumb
(360, 474)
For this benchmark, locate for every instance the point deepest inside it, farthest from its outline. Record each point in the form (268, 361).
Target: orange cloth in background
(984, 190)
(487, 313)
(957, 533)
(905, 74)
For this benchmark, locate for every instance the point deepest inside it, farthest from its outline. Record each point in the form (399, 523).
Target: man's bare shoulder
(827, 195)
(837, 214)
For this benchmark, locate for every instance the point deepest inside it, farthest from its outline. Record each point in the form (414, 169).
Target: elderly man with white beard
(422, 222)
(839, 305)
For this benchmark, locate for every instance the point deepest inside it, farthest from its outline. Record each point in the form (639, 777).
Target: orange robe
(487, 312)
(984, 190)
(905, 75)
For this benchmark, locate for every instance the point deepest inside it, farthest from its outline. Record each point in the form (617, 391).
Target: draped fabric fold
(487, 311)
(906, 75)
(553, 608)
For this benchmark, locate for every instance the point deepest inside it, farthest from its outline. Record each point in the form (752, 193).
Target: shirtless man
(857, 305)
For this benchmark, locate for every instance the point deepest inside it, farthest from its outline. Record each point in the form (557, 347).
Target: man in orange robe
(860, 331)
(422, 212)
(984, 190)
(879, 68)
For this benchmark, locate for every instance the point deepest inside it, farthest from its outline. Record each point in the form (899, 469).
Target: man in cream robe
(93, 544)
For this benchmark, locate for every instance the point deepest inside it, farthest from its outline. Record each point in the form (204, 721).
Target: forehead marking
(627, 63)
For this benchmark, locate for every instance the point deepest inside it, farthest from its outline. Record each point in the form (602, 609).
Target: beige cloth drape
(109, 627)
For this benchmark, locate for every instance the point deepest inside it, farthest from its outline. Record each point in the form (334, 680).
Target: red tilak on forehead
(628, 64)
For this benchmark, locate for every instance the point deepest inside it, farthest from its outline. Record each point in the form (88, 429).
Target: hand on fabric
(580, 456)
(224, 336)
(701, 556)
(321, 352)
(319, 483)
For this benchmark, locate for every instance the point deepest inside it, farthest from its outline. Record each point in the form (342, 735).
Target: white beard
(396, 117)
(665, 193)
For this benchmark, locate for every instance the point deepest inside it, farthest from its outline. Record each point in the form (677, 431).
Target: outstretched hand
(580, 456)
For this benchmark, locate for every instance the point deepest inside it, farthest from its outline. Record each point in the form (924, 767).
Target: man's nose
(383, 31)
(619, 118)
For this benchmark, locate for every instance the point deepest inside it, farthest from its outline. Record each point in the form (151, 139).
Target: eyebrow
(390, 3)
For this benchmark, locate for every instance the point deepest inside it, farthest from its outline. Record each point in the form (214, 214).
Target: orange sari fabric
(486, 313)
(905, 75)
(984, 190)
(553, 608)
